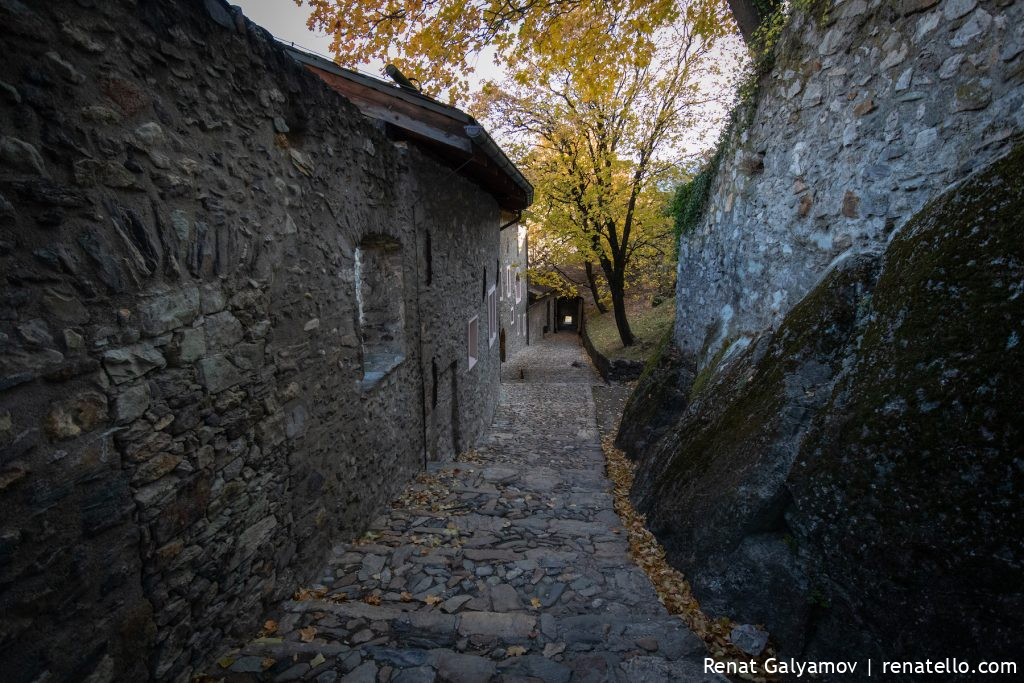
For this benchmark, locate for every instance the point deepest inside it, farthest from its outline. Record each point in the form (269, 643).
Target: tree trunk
(615, 284)
(592, 282)
(748, 16)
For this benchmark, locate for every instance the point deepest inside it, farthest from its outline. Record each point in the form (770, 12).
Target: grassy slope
(649, 325)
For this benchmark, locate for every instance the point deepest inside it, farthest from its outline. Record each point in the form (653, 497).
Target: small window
(519, 289)
(492, 316)
(508, 282)
(381, 309)
(472, 338)
(428, 254)
(433, 376)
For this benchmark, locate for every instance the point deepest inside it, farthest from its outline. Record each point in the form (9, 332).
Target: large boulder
(853, 479)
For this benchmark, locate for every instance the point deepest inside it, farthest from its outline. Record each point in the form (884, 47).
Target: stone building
(238, 312)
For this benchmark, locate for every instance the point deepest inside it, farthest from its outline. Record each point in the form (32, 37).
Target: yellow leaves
(672, 588)
(406, 596)
(317, 661)
(307, 634)
(269, 628)
(515, 651)
(431, 492)
(438, 41)
(372, 600)
(535, 603)
(304, 594)
(267, 663)
(433, 600)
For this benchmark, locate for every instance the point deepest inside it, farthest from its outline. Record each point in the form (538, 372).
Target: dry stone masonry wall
(183, 430)
(872, 109)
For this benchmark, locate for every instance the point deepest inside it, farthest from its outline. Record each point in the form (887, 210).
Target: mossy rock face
(654, 405)
(854, 480)
(718, 476)
(909, 490)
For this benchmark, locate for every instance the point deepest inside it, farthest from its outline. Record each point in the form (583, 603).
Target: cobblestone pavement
(509, 566)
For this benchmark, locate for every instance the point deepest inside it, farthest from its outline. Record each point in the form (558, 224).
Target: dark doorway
(567, 313)
(445, 442)
(501, 344)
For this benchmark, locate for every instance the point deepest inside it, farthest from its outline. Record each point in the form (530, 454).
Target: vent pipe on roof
(398, 77)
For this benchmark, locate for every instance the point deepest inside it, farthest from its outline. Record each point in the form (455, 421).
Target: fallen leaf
(267, 663)
(317, 661)
(515, 651)
(307, 634)
(269, 627)
(433, 600)
(535, 603)
(225, 662)
(372, 600)
(406, 596)
(309, 594)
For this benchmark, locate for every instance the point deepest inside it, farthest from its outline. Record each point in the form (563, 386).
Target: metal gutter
(481, 137)
(411, 96)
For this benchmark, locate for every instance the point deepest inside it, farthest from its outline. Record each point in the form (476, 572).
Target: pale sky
(287, 21)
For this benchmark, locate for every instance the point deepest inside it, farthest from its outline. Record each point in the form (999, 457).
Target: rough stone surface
(863, 453)
(178, 200)
(881, 127)
(532, 507)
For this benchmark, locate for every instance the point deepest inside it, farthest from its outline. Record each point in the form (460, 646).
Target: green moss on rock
(878, 432)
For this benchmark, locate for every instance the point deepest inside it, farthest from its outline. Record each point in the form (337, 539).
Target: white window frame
(472, 340)
(492, 316)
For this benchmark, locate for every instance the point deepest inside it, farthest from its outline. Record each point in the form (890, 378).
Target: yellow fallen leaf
(515, 651)
(307, 634)
(267, 663)
(225, 662)
(433, 600)
(406, 596)
(269, 627)
(372, 600)
(535, 602)
(317, 661)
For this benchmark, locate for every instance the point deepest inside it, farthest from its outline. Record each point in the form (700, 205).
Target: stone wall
(185, 425)
(540, 314)
(851, 480)
(829, 450)
(872, 109)
(512, 313)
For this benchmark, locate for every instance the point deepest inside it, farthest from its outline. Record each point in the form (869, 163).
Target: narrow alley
(508, 565)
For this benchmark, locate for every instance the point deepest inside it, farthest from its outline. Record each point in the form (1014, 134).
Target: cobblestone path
(507, 567)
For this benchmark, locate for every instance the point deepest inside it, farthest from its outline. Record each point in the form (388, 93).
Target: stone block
(217, 373)
(169, 311)
(508, 626)
(132, 362)
(131, 403)
(191, 344)
(21, 156)
(223, 331)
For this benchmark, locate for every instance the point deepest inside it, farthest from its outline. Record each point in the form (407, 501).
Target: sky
(287, 21)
